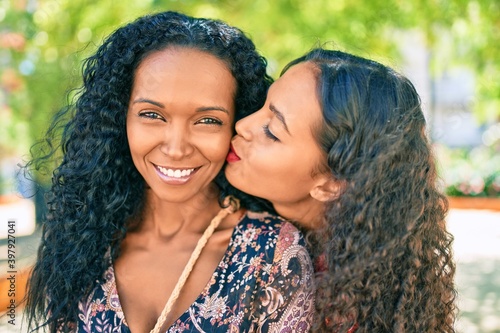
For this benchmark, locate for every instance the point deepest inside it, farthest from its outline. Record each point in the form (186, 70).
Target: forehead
(189, 60)
(184, 74)
(295, 94)
(175, 54)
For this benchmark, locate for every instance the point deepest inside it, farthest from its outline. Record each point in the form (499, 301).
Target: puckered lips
(175, 176)
(232, 156)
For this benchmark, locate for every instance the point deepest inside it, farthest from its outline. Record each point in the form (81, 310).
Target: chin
(242, 186)
(233, 180)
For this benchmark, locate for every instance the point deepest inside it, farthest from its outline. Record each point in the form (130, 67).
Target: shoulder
(271, 232)
(267, 225)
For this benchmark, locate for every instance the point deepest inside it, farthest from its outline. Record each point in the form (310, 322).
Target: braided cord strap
(232, 206)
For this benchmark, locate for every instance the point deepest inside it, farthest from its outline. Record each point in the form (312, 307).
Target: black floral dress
(264, 283)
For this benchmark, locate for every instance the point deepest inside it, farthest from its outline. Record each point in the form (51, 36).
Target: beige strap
(232, 206)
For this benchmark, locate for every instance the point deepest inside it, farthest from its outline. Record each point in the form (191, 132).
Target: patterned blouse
(264, 283)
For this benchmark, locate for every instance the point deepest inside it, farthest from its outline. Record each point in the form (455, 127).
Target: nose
(246, 126)
(176, 143)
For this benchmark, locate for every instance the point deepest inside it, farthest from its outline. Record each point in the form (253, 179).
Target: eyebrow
(200, 109)
(145, 100)
(212, 108)
(279, 115)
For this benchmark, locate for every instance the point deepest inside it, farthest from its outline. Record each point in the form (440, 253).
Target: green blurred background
(43, 42)
(450, 49)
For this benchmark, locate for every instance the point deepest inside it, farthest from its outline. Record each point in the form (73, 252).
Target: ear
(326, 189)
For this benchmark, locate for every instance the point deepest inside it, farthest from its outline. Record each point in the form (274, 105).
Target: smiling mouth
(175, 173)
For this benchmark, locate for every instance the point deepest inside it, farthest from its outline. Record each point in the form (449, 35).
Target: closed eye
(269, 134)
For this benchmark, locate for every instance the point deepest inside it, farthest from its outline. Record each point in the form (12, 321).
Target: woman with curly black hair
(135, 199)
(340, 147)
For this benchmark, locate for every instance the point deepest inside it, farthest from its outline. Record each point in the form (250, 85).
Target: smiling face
(274, 154)
(179, 121)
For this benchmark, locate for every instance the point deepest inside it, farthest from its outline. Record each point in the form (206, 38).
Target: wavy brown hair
(388, 254)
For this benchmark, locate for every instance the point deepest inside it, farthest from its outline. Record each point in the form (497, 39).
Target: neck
(168, 218)
(308, 213)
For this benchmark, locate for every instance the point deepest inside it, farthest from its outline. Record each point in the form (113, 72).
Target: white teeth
(175, 173)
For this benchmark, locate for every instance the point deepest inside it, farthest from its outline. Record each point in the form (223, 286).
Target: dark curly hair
(96, 188)
(389, 265)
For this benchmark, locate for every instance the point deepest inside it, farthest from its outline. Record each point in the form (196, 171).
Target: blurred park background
(450, 49)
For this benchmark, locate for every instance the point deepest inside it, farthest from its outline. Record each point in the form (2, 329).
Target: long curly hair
(96, 188)
(389, 265)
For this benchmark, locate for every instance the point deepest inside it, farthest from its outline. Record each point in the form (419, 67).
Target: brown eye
(150, 115)
(210, 121)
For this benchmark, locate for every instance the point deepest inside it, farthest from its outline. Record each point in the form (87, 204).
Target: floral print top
(264, 283)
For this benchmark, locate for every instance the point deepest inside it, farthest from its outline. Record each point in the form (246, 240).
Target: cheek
(137, 153)
(135, 144)
(216, 147)
(273, 166)
(141, 142)
(131, 135)
(282, 167)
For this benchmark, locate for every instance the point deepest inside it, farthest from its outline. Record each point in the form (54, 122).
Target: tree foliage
(43, 42)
